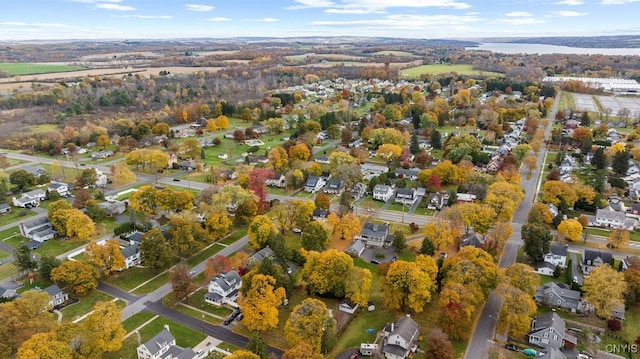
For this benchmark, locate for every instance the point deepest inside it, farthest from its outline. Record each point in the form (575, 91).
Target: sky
(424, 19)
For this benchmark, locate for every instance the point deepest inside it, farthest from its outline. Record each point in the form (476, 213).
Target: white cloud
(114, 7)
(518, 14)
(374, 6)
(520, 21)
(269, 19)
(570, 2)
(568, 13)
(35, 24)
(616, 2)
(148, 16)
(218, 19)
(95, 1)
(199, 7)
(404, 22)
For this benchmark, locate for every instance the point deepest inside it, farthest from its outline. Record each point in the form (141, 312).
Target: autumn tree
(257, 182)
(455, 320)
(530, 163)
(186, 235)
(348, 226)
(326, 272)
(222, 122)
(216, 265)
(441, 233)
(101, 331)
(410, 284)
(106, 257)
(521, 151)
(80, 275)
(306, 321)
(570, 229)
(45, 346)
(122, 175)
(461, 147)
(604, 288)
(260, 230)
(438, 345)
(556, 192)
(22, 318)
(191, 148)
(504, 198)
(618, 238)
(322, 201)
(260, 304)
(218, 225)
(517, 309)
(464, 266)
(155, 252)
(301, 350)
(480, 217)
(181, 283)
(537, 240)
(278, 158)
(522, 276)
(242, 354)
(315, 237)
(299, 152)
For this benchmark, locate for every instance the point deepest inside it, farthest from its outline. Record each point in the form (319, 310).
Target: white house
(224, 288)
(557, 255)
(348, 306)
(382, 192)
(406, 196)
(30, 199)
(61, 188)
(163, 346)
(39, 230)
(131, 255)
(609, 218)
(102, 154)
(400, 338)
(58, 296)
(314, 184)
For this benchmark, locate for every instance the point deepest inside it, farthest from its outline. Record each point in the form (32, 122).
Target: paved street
(484, 331)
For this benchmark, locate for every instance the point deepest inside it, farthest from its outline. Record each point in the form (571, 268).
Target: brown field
(118, 54)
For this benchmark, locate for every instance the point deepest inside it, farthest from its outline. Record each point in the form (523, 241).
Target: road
(483, 333)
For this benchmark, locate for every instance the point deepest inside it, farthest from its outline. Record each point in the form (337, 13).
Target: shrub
(614, 324)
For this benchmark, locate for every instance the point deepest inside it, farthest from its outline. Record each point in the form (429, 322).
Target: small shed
(368, 349)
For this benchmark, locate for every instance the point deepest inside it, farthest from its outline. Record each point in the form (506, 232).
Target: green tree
(315, 237)
(620, 162)
(414, 146)
(599, 159)
(427, 247)
(260, 230)
(399, 241)
(46, 265)
(5, 185)
(462, 147)
(24, 259)
(436, 140)
(22, 179)
(537, 240)
(155, 252)
(258, 346)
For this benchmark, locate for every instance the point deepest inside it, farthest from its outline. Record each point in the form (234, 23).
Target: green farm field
(16, 69)
(415, 72)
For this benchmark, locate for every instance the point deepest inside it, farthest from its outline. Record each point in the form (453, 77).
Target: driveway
(575, 270)
(382, 255)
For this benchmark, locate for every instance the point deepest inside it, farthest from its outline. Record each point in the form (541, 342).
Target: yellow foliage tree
(242, 354)
(260, 304)
(442, 233)
(517, 309)
(358, 285)
(222, 122)
(389, 150)
(80, 275)
(570, 229)
(260, 229)
(101, 331)
(45, 346)
(410, 284)
(348, 227)
(122, 175)
(107, 257)
(301, 350)
(619, 238)
(523, 277)
(306, 323)
(554, 191)
(278, 158)
(299, 152)
(79, 225)
(604, 288)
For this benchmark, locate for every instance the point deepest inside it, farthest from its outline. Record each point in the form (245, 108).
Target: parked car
(512, 347)
(375, 261)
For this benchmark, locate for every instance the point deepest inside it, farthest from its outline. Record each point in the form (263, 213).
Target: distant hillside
(620, 41)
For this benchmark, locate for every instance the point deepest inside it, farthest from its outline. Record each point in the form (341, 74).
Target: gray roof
(549, 320)
(225, 280)
(356, 247)
(4, 206)
(335, 183)
(53, 290)
(381, 188)
(374, 230)
(405, 327)
(550, 353)
(561, 290)
(610, 215)
(312, 181)
(56, 185)
(321, 213)
(260, 255)
(406, 192)
(159, 341)
(407, 172)
(129, 250)
(593, 255)
(558, 249)
(472, 239)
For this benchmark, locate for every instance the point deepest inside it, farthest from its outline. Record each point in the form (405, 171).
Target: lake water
(551, 49)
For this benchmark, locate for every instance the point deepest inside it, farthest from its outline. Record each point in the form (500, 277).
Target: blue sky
(163, 19)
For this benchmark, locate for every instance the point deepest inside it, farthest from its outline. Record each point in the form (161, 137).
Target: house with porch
(314, 184)
(435, 201)
(607, 217)
(358, 190)
(592, 259)
(58, 296)
(400, 338)
(163, 346)
(375, 235)
(224, 288)
(406, 196)
(335, 186)
(557, 255)
(131, 254)
(558, 295)
(382, 192)
(61, 188)
(548, 331)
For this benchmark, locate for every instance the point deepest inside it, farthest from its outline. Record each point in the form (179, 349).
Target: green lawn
(55, 247)
(12, 237)
(16, 214)
(197, 300)
(461, 69)
(20, 68)
(205, 254)
(7, 270)
(44, 128)
(4, 255)
(131, 278)
(156, 283)
(185, 337)
(38, 282)
(398, 207)
(631, 324)
(84, 306)
(235, 235)
(127, 351)
(136, 320)
(369, 202)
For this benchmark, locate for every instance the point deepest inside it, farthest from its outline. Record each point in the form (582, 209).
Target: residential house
(558, 295)
(224, 289)
(545, 268)
(335, 186)
(313, 184)
(557, 255)
(494, 165)
(260, 255)
(435, 201)
(400, 338)
(607, 217)
(411, 173)
(58, 296)
(35, 171)
(348, 306)
(4, 208)
(592, 259)
(634, 208)
(322, 159)
(358, 190)
(257, 160)
(280, 182)
(163, 346)
(101, 179)
(7, 293)
(406, 196)
(370, 170)
(616, 204)
(382, 192)
(631, 261)
(30, 199)
(550, 353)
(113, 208)
(548, 331)
(320, 214)
(567, 165)
(356, 248)
(375, 235)
(101, 154)
(465, 198)
(473, 239)
(187, 165)
(553, 209)
(61, 188)
(39, 230)
(131, 255)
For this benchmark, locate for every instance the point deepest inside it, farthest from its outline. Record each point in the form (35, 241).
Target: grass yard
(127, 351)
(156, 283)
(84, 306)
(44, 128)
(197, 300)
(566, 101)
(393, 53)
(16, 214)
(38, 282)
(21, 68)
(7, 270)
(136, 320)
(631, 324)
(4, 255)
(205, 254)
(369, 202)
(236, 235)
(185, 337)
(461, 69)
(55, 247)
(131, 278)
(397, 207)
